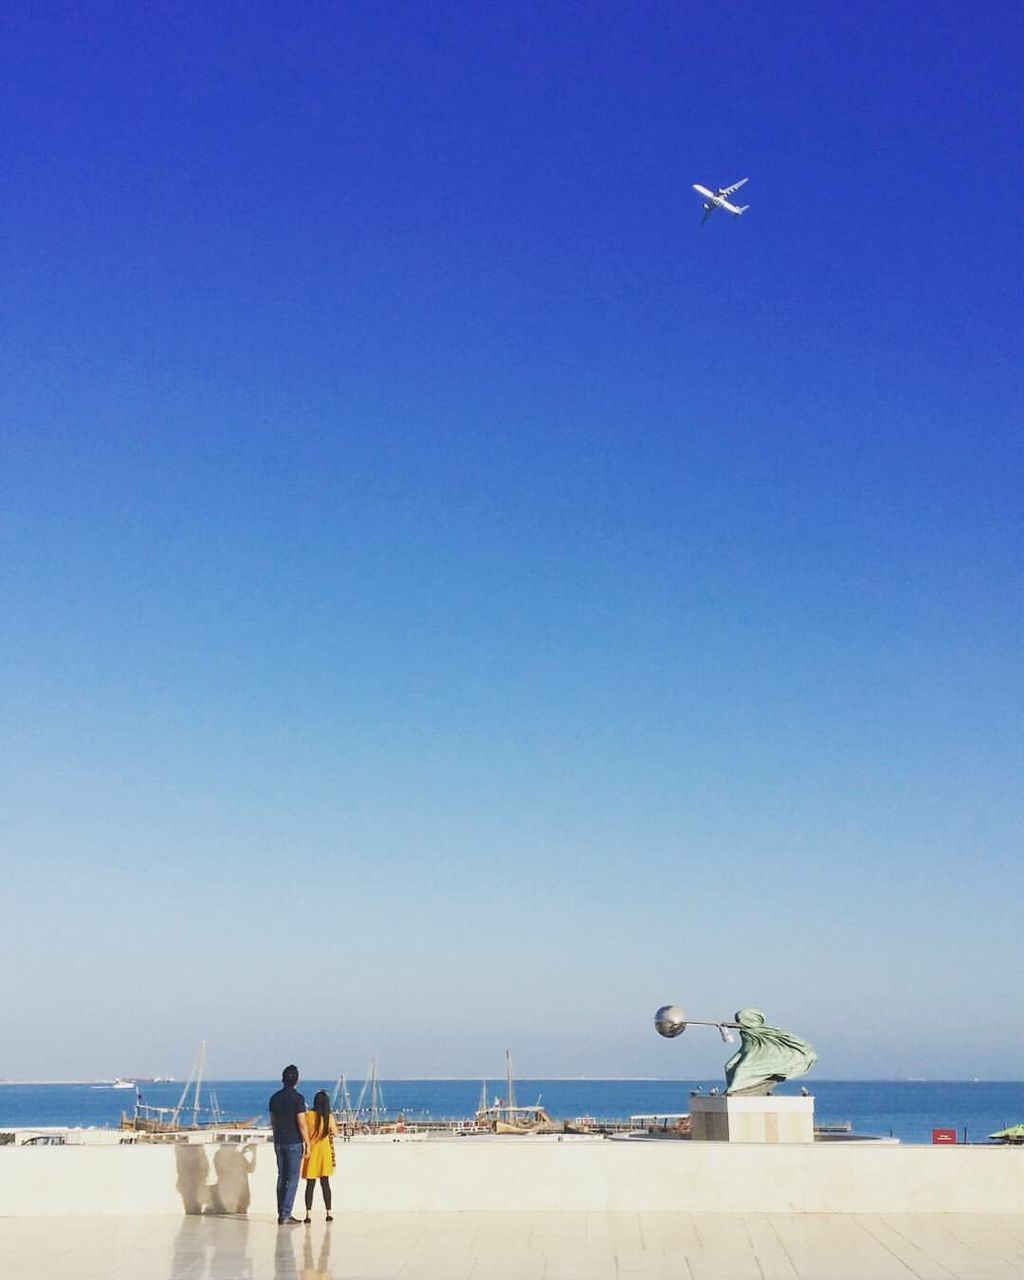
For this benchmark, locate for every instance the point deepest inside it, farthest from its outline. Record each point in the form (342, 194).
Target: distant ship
(123, 1084)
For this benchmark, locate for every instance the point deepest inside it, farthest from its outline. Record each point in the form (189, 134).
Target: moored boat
(149, 1120)
(505, 1116)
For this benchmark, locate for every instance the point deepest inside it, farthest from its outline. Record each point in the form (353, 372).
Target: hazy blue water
(909, 1110)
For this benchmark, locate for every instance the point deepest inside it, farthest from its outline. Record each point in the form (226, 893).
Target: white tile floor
(519, 1246)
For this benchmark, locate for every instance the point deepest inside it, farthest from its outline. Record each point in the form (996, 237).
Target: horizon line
(475, 1079)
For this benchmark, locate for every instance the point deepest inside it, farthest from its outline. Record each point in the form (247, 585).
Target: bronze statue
(766, 1057)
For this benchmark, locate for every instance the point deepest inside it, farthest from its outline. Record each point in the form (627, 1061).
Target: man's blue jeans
(289, 1163)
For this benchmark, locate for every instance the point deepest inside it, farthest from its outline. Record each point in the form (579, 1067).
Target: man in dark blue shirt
(291, 1141)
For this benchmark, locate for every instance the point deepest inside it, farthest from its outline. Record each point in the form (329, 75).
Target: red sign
(943, 1137)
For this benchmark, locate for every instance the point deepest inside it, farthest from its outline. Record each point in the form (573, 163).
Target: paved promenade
(519, 1246)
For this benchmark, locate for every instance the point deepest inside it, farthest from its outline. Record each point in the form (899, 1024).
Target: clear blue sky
(453, 599)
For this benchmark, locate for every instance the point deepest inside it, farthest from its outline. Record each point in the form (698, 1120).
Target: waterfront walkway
(519, 1246)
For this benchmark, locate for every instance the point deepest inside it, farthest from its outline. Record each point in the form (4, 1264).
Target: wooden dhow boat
(146, 1119)
(505, 1116)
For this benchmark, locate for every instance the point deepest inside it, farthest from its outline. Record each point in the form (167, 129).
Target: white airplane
(717, 200)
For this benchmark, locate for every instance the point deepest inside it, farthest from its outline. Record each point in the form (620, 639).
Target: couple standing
(302, 1144)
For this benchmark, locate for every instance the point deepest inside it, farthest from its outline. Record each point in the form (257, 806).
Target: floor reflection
(230, 1256)
(285, 1266)
(207, 1249)
(517, 1246)
(320, 1269)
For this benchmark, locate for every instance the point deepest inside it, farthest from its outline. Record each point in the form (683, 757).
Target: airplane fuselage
(714, 201)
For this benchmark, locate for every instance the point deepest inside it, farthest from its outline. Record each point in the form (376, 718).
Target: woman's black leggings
(325, 1187)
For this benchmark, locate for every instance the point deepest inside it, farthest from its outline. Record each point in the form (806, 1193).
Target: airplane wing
(727, 191)
(708, 211)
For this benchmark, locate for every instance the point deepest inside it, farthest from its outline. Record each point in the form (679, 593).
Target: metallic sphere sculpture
(670, 1021)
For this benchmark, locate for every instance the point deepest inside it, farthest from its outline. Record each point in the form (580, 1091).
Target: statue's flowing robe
(767, 1055)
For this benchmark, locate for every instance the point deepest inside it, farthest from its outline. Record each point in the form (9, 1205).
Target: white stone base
(744, 1119)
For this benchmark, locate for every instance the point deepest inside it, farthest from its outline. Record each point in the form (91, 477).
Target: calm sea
(907, 1110)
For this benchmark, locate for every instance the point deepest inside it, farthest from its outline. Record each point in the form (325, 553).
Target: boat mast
(510, 1095)
(362, 1096)
(176, 1113)
(482, 1106)
(376, 1098)
(341, 1102)
(374, 1109)
(201, 1062)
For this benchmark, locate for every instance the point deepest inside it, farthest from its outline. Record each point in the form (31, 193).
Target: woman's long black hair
(322, 1107)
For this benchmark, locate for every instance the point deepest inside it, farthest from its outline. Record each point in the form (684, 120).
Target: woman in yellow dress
(319, 1163)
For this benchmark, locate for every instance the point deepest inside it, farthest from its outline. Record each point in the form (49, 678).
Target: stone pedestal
(745, 1119)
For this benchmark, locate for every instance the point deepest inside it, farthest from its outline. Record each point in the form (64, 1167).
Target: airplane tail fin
(742, 209)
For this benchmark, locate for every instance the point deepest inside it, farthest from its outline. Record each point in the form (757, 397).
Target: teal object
(767, 1056)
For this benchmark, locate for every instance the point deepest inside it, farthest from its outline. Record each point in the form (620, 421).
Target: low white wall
(511, 1174)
